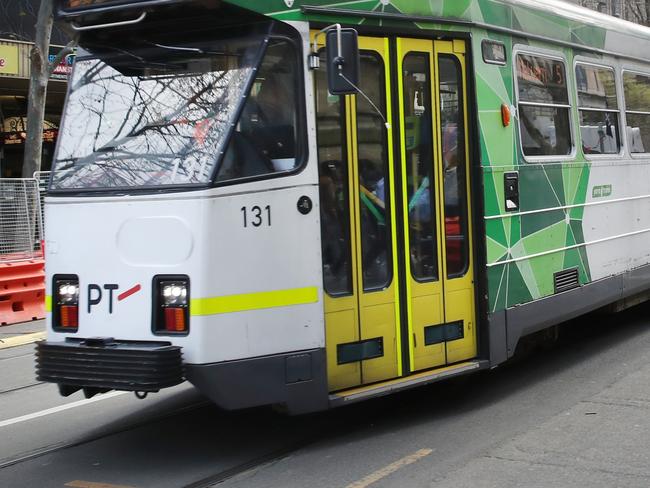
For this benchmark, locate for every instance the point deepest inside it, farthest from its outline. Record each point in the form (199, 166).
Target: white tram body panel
(129, 240)
(251, 255)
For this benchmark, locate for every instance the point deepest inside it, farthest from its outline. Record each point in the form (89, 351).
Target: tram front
(182, 228)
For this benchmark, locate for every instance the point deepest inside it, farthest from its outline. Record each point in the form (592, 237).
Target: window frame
(636, 71)
(557, 56)
(578, 60)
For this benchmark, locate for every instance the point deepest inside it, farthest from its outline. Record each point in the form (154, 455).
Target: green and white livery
(311, 203)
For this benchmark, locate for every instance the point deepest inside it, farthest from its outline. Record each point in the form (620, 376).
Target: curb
(21, 340)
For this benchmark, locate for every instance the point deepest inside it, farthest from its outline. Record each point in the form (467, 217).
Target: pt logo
(95, 294)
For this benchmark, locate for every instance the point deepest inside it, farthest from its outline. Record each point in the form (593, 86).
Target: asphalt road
(574, 413)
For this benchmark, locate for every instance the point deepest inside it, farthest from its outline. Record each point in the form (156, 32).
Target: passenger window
(599, 112)
(265, 138)
(544, 108)
(637, 111)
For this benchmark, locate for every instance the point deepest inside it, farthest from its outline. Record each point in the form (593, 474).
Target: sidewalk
(20, 334)
(602, 441)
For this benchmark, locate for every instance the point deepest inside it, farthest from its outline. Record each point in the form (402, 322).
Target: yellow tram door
(356, 172)
(436, 202)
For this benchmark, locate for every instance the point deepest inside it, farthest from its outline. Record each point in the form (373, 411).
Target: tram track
(54, 448)
(18, 388)
(226, 474)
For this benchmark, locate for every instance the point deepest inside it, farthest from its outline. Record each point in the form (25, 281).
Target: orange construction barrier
(22, 291)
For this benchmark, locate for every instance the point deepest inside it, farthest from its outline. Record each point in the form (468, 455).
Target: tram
(312, 203)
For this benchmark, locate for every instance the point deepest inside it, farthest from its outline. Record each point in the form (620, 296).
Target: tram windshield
(163, 115)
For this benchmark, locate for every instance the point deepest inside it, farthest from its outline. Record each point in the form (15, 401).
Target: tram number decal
(257, 216)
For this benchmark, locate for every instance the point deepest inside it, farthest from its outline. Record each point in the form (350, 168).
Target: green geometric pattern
(526, 248)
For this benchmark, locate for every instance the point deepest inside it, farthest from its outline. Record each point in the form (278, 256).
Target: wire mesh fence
(21, 223)
(43, 179)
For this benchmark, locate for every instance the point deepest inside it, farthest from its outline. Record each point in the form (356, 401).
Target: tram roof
(554, 20)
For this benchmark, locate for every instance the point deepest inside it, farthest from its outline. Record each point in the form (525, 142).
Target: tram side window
(543, 105)
(637, 110)
(265, 139)
(599, 112)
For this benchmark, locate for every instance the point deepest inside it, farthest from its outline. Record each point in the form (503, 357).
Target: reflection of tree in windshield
(152, 128)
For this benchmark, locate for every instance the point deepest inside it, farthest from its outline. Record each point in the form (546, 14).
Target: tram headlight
(171, 305)
(65, 312)
(174, 294)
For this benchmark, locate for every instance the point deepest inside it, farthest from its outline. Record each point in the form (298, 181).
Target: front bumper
(102, 364)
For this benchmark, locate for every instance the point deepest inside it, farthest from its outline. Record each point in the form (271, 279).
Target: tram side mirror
(343, 63)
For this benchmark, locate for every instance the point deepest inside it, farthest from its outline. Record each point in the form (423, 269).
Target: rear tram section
(242, 224)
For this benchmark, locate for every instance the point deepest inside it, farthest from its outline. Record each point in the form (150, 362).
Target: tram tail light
(69, 316)
(65, 316)
(175, 319)
(171, 305)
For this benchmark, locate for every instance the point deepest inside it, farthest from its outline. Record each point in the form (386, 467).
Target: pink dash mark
(128, 293)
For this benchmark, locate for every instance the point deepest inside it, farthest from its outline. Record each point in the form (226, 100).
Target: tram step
(380, 389)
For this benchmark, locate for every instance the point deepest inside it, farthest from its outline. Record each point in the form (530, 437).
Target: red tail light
(69, 317)
(65, 316)
(175, 319)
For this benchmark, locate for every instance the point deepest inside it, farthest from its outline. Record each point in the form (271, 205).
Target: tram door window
(439, 283)
(357, 225)
(334, 189)
(452, 140)
(373, 174)
(420, 178)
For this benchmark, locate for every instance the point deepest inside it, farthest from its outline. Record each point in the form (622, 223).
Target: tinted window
(265, 137)
(637, 102)
(334, 188)
(372, 146)
(637, 92)
(420, 181)
(452, 137)
(596, 87)
(544, 110)
(541, 80)
(599, 116)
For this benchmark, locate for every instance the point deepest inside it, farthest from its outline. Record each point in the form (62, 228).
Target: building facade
(17, 30)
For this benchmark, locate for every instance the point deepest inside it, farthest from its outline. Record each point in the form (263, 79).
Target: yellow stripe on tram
(253, 301)
(48, 303)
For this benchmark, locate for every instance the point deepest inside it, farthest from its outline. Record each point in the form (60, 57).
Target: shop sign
(8, 60)
(14, 131)
(19, 138)
(63, 70)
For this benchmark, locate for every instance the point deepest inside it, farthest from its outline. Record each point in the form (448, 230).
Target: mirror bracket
(314, 58)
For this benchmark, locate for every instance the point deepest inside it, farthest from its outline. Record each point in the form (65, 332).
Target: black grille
(566, 280)
(108, 364)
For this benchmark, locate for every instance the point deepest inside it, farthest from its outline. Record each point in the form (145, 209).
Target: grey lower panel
(296, 380)
(534, 316)
(498, 337)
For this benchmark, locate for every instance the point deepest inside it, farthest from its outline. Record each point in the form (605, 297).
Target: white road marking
(390, 469)
(61, 408)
